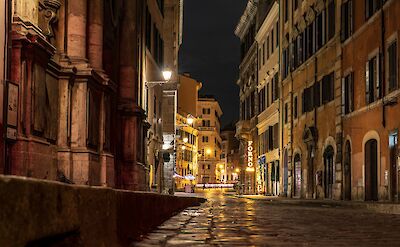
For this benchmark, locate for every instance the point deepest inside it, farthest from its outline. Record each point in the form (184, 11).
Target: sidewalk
(378, 207)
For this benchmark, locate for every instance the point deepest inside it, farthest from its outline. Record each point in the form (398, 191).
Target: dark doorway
(393, 140)
(347, 171)
(275, 178)
(297, 176)
(285, 173)
(371, 170)
(328, 173)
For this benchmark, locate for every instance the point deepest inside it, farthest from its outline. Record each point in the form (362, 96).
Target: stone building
(247, 132)
(187, 139)
(209, 125)
(268, 89)
(370, 95)
(5, 10)
(229, 155)
(310, 66)
(81, 68)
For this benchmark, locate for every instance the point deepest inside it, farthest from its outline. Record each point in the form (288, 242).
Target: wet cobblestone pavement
(229, 221)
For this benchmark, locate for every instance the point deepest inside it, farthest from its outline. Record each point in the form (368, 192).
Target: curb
(385, 208)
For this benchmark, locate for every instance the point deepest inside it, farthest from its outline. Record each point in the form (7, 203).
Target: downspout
(313, 184)
(382, 64)
(8, 56)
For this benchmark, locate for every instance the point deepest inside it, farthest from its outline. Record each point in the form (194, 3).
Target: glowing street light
(208, 151)
(183, 147)
(190, 120)
(167, 74)
(185, 140)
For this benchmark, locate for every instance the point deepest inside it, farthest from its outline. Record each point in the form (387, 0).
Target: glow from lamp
(167, 74)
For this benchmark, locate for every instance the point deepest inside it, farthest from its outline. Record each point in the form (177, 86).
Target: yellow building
(209, 125)
(267, 38)
(186, 168)
(186, 152)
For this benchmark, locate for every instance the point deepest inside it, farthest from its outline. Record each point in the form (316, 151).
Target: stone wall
(44, 213)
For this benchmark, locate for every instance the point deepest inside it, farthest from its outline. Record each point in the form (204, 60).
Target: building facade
(247, 132)
(79, 72)
(230, 170)
(310, 77)
(209, 125)
(186, 171)
(370, 92)
(268, 89)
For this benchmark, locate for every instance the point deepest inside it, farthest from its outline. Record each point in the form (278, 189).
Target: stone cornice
(246, 19)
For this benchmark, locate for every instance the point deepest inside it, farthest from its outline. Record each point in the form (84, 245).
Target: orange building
(370, 95)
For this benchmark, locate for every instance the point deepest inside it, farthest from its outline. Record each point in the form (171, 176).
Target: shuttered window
(372, 80)
(348, 94)
(392, 66)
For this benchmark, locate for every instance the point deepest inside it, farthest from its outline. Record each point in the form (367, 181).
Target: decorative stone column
(95, 33)
(76, 32)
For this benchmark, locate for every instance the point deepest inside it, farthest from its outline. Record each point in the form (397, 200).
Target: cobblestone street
(229, 221)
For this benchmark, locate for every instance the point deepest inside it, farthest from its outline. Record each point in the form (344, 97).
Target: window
(208, 167)
(277, 34)
(331, 19)
(295, 4)
(276, 87)
(392, 66)
(206, 123)
(206, 111)
(328, 88)
(295, 107)
(307, 100)
(267, 47)
(270, 138)
(371, 6)
(268, 101)
(285, 62)
(347, 94)
(272, 40)
(347, 20)
(261, 100)
(275, 136)
(372, 80)
(263, 53)
(148, 29)
(160, 4)
(205, 138)
(286, 113)
(259, 58)
(320, 30)
(286, 13)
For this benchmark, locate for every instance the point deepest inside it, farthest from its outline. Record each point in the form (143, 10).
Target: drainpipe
(8, 55)
(313, 184)
(382, 64)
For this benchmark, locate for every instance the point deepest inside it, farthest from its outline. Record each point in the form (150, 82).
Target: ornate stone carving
(48, 17)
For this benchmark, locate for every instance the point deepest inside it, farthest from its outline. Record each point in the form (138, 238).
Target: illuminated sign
(250, 154)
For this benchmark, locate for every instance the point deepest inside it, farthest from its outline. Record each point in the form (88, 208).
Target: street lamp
(167, 74)
(185, 140)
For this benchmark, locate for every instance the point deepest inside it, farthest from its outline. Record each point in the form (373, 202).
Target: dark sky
(211, 52)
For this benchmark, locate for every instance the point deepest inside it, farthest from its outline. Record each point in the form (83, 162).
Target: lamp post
(169, 148)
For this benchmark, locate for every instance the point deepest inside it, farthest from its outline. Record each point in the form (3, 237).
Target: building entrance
(371, 170)
(329, 172)
(297, 176)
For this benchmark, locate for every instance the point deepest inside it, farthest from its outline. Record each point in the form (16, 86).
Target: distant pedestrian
(204, 186)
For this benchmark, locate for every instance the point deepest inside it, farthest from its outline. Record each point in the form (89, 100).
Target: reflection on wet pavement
(229, 221)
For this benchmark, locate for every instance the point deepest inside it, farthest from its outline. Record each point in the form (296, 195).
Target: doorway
(393, 141)
(347, 171)
(371, 170)
(297, 176)
(329, 172)
(285, 173)
(275, 178)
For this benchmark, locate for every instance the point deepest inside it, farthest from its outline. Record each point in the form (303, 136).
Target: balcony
(243, 129)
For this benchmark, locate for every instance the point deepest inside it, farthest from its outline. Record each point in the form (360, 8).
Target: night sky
(210, 52)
